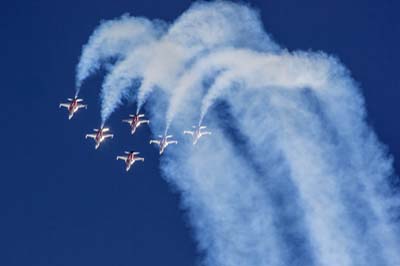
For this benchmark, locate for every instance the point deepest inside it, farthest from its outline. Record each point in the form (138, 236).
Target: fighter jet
(73, 106)
(134, 121)
(197, 133)
(99, 137)
(130, 159)
(163, 142)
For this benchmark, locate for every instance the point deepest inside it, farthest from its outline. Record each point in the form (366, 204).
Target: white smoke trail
(162, 69)
(326, 77)
(229, 208)
(114, 87)
(312, 72)
(114, 39)
(202, 28)
(292, 175)
(257, 68)
(260, 70)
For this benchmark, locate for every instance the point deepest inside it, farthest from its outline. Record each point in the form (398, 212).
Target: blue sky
(63, 203)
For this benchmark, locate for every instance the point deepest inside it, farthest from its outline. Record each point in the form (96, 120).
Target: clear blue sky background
(63, 203)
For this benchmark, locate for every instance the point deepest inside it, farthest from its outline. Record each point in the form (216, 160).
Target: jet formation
(134, 121)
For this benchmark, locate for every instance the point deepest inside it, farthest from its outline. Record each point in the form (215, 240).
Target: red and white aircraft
(130, 159)
(163, 142)
(134, 121)
(197, 133)
(99, 137)
(73, 106)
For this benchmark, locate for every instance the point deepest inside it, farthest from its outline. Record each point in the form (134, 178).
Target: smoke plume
(292, 174)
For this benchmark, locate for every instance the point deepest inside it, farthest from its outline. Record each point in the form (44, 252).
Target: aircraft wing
(66, 105)
(82, 106)
(155, 141)
(122, 158)
(144, 122)
(93, 136)
(205, 133)
(108, 135)
(139, 159)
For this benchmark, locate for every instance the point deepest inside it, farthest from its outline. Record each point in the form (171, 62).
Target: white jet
(100, 136)
(130, 159)
(73, 106)
(134, 121)
(197, 133)
(163, 142)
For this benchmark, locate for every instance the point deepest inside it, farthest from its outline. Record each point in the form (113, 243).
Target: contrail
(292, 175)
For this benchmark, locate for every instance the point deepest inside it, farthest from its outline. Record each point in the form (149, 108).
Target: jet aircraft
(130, 159)
(197, 133)
(100, 136)
(163, 142)
(73, 106)
(134, 121)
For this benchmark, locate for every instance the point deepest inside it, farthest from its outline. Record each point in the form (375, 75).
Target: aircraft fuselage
(163, 145)
(134, 123)
(129, 161)
(73, 107)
